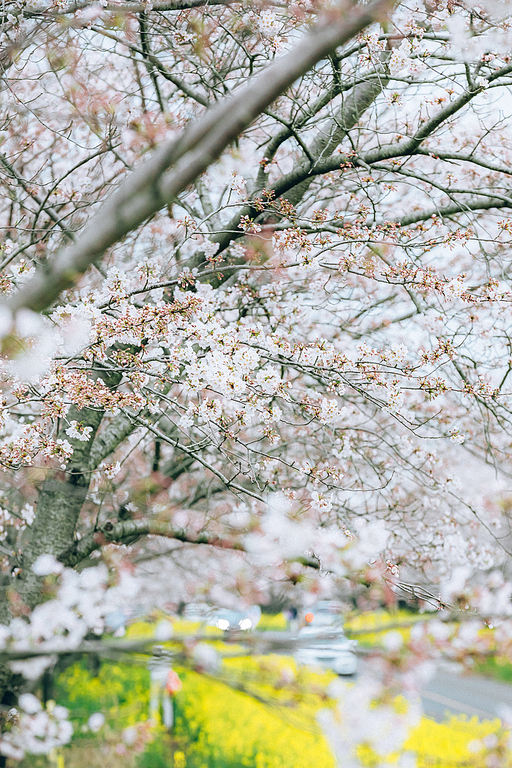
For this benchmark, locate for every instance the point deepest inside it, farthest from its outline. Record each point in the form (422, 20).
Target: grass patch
(497, 668)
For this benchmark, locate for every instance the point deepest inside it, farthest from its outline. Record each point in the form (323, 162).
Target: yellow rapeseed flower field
(263, 713)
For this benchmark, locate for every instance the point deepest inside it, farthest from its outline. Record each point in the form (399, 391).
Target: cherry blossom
(255, 327)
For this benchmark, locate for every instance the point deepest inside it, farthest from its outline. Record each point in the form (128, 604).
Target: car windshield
(325, 619)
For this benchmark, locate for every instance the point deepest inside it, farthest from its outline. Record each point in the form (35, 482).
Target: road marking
(455, 704)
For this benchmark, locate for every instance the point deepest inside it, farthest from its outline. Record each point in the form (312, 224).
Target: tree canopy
(255, 312)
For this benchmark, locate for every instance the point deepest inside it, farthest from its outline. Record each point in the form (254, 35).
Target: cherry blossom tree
(266, 361)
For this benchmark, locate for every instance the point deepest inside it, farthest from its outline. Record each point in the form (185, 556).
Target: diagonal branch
(150, 58)
(348, 115)
(110, 438)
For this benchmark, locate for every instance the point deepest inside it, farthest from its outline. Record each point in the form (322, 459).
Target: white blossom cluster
(35, 730)
(80, 605)
(365, 713)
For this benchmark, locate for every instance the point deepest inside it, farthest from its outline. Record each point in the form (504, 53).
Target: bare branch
(54, 216)
(151, 187)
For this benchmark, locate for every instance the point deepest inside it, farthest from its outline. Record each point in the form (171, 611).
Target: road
(465, 695)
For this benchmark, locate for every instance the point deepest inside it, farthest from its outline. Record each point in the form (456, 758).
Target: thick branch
(110, 438)
(350, 112)
(119, 532)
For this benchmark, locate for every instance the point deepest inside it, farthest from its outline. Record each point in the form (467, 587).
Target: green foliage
(499, 668)
(159, 753)
(120, 691)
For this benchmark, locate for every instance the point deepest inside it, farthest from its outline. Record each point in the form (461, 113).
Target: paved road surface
(461, 695)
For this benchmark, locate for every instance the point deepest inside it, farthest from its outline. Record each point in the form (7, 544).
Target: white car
(326, 647)
(229, 620)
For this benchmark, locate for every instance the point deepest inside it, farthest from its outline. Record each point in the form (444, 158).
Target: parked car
(325, 612)
(228, 620)
(325, 645)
